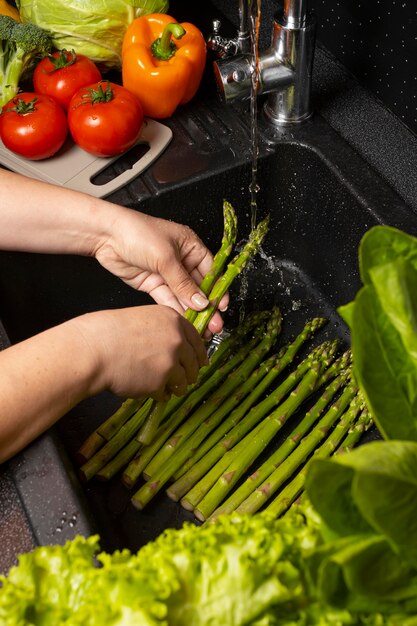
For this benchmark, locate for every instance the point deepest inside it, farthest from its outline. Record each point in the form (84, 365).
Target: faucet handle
(222, 46)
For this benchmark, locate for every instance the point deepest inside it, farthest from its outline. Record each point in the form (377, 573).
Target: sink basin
(321, 197)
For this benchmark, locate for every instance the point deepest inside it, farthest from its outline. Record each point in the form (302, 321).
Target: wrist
(90, 339)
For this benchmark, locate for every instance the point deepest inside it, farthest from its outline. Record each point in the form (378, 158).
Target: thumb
(184, 287)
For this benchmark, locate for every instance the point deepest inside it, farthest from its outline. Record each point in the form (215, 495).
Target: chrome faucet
(284, 70)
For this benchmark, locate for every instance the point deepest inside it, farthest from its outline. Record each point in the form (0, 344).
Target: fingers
(185, 371)
(196, 345)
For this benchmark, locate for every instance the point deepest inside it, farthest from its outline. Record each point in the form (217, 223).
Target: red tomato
(33, 125)
(105, 119)
(61, 74)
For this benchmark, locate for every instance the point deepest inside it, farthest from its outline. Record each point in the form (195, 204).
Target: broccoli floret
(20, 46)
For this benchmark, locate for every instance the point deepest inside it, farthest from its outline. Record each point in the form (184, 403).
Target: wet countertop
(26, 501)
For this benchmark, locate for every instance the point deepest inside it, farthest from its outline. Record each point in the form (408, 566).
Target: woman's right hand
(142, 351)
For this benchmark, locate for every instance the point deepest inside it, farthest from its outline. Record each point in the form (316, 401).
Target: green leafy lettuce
(95, 29)
(232, 572)
(368, 502)
(383, 324)
(241, 570)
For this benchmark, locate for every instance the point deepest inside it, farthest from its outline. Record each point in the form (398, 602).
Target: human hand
(162, 258)
(142, 351)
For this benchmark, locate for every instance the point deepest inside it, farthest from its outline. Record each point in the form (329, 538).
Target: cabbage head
(94, 28)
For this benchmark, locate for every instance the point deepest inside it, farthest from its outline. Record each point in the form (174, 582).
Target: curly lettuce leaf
(232, 571)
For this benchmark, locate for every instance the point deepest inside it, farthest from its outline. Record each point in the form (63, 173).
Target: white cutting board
(74, 168)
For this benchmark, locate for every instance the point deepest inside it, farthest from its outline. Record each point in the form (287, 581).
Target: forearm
(43, 378)
(38, 217)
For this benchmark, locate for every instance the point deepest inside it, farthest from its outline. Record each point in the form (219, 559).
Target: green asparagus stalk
(116, 443)
(193, 399)
(339, 365)
(363, 424)
(234, 268)
(282, 452)
(120, 461)
(106, 430)
(255, 445)
(219, 261)
(110, 427)
(286, 356)
(151, 424)
(89, 447)
(298, 456)
(234, 379)
(292, 491)
(209, 468)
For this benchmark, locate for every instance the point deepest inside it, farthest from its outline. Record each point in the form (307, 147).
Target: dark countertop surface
(374, 133)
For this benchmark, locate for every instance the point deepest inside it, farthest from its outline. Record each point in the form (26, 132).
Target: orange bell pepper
(162, 62)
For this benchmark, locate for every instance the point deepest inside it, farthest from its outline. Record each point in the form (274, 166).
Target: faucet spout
(284, 70)
(295, 12)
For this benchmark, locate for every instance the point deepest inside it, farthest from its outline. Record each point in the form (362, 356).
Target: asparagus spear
(210, 467)
(120, 461)
(282, 452)
(255, 445)
(106, 430)
(289, 466)
(363, 423)
(235, 378)
(199, 393)
(234, 268)
(292, 491)
(285, 357)
(219, 261)
(116, 443)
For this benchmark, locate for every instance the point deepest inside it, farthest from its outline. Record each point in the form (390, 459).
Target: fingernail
(199, 300)
(223, 308)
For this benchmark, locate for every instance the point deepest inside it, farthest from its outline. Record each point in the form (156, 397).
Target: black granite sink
(321, 198)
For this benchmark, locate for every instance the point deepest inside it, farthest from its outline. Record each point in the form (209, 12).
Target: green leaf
(377, 483)
(364, 574)
(383, 244)
(329, 488)
(346, 312)
(383, 346)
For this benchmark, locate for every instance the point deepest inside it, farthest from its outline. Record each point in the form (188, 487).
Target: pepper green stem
(164, 48)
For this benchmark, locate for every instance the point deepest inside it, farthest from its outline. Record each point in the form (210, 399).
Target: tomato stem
(65, 59)
(95, 96)
(21, 107)
(164, 48)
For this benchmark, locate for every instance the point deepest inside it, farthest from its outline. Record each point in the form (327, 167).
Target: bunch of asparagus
(202, 447)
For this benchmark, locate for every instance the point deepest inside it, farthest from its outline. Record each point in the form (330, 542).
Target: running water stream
(254, 28)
